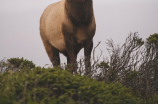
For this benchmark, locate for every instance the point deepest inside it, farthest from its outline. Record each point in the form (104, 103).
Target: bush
(44, 86)
(15, 64)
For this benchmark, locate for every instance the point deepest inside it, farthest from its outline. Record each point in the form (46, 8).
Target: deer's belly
(59, 44)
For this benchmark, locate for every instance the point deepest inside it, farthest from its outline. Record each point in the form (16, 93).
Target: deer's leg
(70, 44)
(68, 60)
(87, 54)
(53, 53)
(71, 58)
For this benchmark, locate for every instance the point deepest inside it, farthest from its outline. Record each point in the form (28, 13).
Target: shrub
(44, 86)
(15, 64)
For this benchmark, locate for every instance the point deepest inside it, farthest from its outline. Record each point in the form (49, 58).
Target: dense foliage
(15, 64)
(51, 86)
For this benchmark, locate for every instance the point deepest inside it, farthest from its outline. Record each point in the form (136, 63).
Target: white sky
(115, 19)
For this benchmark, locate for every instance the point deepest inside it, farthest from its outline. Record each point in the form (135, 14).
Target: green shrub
(51, 86)
(20, 63)
(4, 100)
(153, 100)
(15, 64)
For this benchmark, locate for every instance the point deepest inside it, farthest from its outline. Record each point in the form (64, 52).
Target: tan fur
(50, 25)
(51, 28)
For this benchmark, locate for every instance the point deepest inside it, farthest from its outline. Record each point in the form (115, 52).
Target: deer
(66, 27)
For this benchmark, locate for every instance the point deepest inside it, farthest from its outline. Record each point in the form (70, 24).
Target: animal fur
(66, 27)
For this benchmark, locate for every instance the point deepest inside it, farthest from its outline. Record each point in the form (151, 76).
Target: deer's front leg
(70, 46)
(87, 54)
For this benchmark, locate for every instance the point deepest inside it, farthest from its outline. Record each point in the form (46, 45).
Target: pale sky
(115, 19)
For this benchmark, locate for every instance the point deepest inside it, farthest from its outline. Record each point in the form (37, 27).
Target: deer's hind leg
(53, 53)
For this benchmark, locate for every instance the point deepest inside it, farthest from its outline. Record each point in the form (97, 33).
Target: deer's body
(66, 27)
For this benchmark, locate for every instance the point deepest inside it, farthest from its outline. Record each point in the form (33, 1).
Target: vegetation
(130, 76)
(41, 85)
(15, 64)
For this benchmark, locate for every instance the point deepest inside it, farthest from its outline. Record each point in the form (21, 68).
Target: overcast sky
(115, 19)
